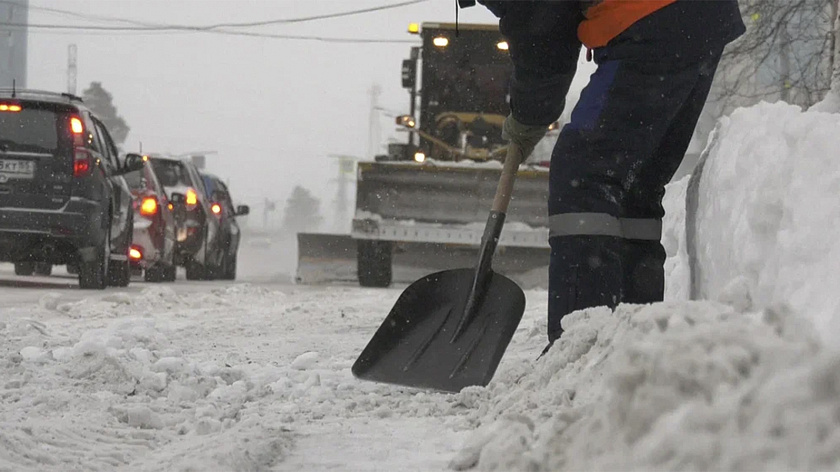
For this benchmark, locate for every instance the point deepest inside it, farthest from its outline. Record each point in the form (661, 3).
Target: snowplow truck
(422, 207)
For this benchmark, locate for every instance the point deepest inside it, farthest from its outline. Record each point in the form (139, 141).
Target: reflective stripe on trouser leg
(600, 224)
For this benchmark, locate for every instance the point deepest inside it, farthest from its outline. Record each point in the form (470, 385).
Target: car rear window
(30, 130)
(209, 186)
(134, 179)
(171, 173)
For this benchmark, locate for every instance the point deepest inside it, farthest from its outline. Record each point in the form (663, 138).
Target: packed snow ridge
(246, 378)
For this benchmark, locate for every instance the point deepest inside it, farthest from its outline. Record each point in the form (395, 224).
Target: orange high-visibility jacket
(606, 19)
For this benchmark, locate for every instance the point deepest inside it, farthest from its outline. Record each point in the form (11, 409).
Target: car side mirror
(242, 210)
(133, 162)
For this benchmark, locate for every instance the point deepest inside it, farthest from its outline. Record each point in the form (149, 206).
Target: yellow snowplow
(422, 207)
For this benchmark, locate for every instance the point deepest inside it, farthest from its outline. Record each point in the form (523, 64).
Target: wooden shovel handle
(507, 179)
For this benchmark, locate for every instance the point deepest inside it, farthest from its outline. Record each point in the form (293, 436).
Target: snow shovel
(450, 329)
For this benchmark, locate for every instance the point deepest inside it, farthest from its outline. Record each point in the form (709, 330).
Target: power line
(156, 28)
(326, 39)
(140, 26)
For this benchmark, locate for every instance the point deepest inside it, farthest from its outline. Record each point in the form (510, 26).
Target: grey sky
(273, 109)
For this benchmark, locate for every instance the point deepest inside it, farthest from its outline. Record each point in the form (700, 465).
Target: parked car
(63, 198)
(152, 251)
(221, 205)
(198, 242)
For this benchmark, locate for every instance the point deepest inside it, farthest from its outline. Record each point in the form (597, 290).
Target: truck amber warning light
(9, 107)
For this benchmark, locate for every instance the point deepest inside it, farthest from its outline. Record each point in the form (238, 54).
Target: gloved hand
(524, 136)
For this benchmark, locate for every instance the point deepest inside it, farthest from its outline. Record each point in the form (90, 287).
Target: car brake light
(81, 163)
(9, 107)
(191, 198)
(216, 209)
(76, 125)
(134, 253)
(149, 206)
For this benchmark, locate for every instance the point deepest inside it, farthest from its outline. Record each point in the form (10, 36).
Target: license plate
(16, 169)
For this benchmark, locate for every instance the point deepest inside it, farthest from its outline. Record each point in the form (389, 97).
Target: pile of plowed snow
(750, 381)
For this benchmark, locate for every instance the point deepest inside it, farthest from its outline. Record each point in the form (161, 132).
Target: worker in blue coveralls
(627, 136)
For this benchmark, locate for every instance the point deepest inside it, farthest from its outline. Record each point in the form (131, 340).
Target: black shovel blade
(416, 345)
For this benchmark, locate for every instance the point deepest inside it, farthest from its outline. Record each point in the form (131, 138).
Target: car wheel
(154, 274)
(374, 263)
(170, 273)
(94, 274)
(119, 273)
(195, 271)
(24, 268)
(230, 268)
(43, 268)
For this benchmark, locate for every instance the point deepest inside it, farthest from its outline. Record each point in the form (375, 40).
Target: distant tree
(102, 103)
(302, 212)
(787, 54)
(835, 58)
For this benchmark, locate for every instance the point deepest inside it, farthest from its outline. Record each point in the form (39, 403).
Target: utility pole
(13, 43)
(71, 69)
(346, 174)
(373, 123)
(415, 56)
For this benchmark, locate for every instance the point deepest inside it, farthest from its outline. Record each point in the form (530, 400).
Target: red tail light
(76, 125)
(149, 206)
(135, 253)
(216, 209)
(82, 164)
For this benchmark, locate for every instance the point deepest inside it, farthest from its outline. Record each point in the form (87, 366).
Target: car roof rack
(33, 92)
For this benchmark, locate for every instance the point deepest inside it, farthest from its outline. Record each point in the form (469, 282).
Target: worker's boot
(644, 271)
(584, 272)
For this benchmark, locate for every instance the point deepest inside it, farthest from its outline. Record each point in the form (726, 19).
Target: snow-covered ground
(256, 376)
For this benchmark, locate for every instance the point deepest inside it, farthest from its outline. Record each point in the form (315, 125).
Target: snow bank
(768, 218)
(750, 381)
(670, 386)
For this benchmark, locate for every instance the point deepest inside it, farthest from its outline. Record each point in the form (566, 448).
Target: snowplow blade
(325, 258)
(447, 193)
(332, 258)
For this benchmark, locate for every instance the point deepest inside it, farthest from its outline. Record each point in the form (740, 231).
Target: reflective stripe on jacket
(606, 19)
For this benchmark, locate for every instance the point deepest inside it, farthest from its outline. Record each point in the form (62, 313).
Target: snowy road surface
(256, 376)
(206, 376)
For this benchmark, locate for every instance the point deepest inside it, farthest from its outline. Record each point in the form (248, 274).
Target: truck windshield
(470, 74)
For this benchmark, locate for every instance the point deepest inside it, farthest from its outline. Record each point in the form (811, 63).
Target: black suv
(63, 199)
(221, 205)
(198, 243)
